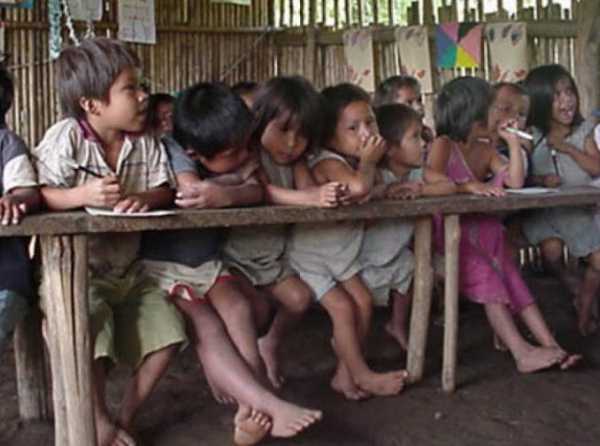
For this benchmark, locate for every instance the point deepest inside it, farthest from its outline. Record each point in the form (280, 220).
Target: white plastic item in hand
(520, 133)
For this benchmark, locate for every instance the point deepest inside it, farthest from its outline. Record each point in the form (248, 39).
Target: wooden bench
(63, 237)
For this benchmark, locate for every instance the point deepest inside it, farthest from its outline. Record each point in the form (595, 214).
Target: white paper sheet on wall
(85, 9)
(358, 49)
(507, 43)
(415, 57)
(137, 21)
(233, 2)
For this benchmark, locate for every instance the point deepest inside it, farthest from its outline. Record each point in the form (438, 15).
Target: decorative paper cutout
(458, 45)
(358, 50)
(136, 21)
(415, 57)
(507, 43)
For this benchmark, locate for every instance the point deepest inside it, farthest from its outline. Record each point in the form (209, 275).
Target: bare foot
(251, 426)
(343, 383)
(220, 396)
(586, 322)
(539, 358)
(399, 334)
(123, 438)
(289, 420)
(499, 345)
(268, 352)
(383, 384)
(109, 434)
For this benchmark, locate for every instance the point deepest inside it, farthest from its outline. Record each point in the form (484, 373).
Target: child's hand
(511, 139)
(330, 195)
(405, 191)
(552, 181)
(202, 195)
(486, 190)
(11, 211)
(131, 205)
(373, 149)
(102, 192)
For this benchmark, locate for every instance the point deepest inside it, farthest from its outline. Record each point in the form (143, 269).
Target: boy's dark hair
(540, 83)
(89, 70)
(461, 103)
(292, 97)
(7, 92)
(210, 118)
(394, 119)
(245, 87)
(154, 101)
(337, 98)
(386, 90)
(516, 87)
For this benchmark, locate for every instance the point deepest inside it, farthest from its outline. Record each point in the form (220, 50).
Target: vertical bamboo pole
(452, 241)
(348, 9)
(390, 12)
(587, 55)
(375, 10)
(360, 12)
(421, 306)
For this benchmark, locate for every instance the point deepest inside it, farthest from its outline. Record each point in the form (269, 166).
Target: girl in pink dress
(487, 273)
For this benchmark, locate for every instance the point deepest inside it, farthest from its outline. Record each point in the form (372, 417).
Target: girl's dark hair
(540, 84)
(7, 92)
(210, 118)
(245, 87)
(394, 120)
(516, 87)
(294, 98)
(461, 103)
(337, 98)
(154, 101)
(386, 91)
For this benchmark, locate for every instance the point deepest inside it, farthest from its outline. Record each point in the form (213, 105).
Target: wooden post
(452, 240)
(421, 306)
(587, 55)
(65, 293)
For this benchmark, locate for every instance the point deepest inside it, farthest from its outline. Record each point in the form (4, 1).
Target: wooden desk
(63, 237)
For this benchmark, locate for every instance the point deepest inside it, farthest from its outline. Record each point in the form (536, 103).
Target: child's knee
(594, 261)
(340, 308)
(552, 249)
(298, 300)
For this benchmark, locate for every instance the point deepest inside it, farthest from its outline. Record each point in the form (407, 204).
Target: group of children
(283, 143)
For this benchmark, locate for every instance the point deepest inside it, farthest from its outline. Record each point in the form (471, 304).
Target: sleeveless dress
(259, 251)
(386, 259)
(324, 254)
(487, 273)
(574, 225)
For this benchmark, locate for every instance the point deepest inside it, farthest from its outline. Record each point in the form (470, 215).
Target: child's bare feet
(499, 345)
(539, 358)
(219, 395)
(251, 426)
(382, 384)
(398, 333)
(587, 321)
(109, 434)
(343, 383)
(569, 360)
(289, 420)
(268, 352)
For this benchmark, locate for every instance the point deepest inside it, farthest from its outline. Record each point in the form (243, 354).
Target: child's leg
(363, 299)
(235, 310)
(397, 325)
(228, 370)
(294, 298)
(528, 358)
(345, 318)
(587, 295)
(552, 254)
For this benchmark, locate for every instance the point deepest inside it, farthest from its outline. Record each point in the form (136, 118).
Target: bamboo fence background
(198, 40)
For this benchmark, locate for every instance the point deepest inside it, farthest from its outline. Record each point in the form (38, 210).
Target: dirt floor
(493, 406)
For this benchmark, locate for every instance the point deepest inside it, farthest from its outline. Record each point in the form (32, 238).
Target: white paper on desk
(532, 190)
(110, 213)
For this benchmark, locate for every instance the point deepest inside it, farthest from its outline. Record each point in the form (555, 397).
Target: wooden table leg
(65, 287)
(421, 305)
(32, 382)
(452, 240)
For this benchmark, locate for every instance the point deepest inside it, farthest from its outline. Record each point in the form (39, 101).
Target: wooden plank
(587, 55)
(452, 241)
(421, 305)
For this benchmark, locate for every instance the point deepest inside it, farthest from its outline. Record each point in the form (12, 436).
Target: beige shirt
(142, 165)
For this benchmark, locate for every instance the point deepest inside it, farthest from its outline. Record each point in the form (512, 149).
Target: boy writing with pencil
(131, 320)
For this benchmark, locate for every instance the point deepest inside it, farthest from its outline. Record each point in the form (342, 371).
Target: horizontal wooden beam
(79, 222)
(296, 37)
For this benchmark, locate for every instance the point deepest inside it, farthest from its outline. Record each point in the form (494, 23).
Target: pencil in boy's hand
(76, 166)
(519, 133)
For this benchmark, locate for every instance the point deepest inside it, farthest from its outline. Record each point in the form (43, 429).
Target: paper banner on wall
(85, 9)
(233, 2)
(415, 57)
(27, 4)
(136, 21)
(358, 50)
(507, 43)
(458, 45)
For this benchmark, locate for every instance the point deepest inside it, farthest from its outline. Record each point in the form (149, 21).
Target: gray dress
(324, 254)
(258, 251)
(574, 225)
(386, 259)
